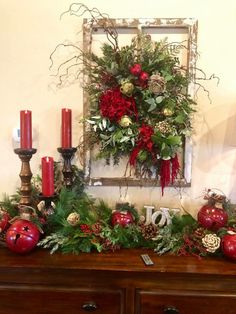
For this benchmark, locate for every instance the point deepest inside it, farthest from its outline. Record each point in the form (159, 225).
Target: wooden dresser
(115, 283)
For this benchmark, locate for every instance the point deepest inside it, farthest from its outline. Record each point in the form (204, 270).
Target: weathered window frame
(190, 26)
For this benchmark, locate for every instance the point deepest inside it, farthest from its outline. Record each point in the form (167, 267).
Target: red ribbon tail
(174, 168)
(164, 174)
(133, 156)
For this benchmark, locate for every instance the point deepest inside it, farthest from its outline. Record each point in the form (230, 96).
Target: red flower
(145, 135)
(144, 142)
(136, 69)
(114, 105)
(143, 79)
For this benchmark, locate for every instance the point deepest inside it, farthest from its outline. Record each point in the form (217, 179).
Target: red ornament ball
(22, 236)
(4, 219)
(122, 218)
(228, 245)
(212, 218)
(135, 69)
(144, 76)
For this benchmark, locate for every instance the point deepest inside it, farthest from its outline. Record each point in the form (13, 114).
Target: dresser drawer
(157, 302)
(55, 301)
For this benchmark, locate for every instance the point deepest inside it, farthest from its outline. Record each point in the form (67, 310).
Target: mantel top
(121, 260)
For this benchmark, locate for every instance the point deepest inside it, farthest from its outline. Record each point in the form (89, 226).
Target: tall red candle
(47, 176)
(25, 129)
(66, 128)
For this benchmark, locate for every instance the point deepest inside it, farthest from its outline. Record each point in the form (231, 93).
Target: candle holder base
(67, 155)
(48, 208)
(25, 154)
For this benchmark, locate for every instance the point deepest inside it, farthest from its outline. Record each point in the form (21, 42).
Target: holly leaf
(157, 138)
(166, 152)
(180, 118)
(168, 77)
(174, 140)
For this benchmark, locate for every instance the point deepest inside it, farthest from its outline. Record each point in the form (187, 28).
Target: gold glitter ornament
(73, 219)
(127, 88)
(168, 112)
(125, 121)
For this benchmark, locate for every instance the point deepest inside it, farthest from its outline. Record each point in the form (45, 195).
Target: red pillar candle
(25, 129)
(47, 176)
(66, 128)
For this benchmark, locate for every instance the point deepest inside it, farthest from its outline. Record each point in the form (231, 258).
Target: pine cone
(148, 231)
(211, 242)
(97, 228)
(199, 233)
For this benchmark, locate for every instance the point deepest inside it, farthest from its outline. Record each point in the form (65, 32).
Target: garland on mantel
(80, 223)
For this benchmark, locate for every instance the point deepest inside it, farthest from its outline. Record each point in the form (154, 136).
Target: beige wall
(30, 30)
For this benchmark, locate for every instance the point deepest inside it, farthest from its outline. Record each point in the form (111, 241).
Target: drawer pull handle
(171, 310)
(89, 307)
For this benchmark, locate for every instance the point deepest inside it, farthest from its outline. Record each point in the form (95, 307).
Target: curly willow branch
(102, 21)
(80, 9)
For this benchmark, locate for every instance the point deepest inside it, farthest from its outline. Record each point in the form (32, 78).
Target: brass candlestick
(48, 208)
(25, 174)
(67, 155)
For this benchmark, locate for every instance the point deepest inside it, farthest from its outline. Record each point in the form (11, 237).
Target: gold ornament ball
(127, 88)
(125, 121)
(167, 112)
(73, 219)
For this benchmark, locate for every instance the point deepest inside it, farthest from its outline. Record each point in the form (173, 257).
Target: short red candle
(66, 128)
(25, 129)
(47, 176)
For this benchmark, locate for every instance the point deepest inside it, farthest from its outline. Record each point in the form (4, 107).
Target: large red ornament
(4, 219)
(136, 69)
(22, 236)
(122, 218)
(211, 217)
(228, 245)
(144, 76)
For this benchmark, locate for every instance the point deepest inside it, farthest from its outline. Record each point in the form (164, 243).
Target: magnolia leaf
(111, 128)
(104, 137)
(159, 99)
(133, 141)
(95, 128)
(129, 131)
(104, 123)
(90, 121)
(125, 139)
(96, 117)
(100, 126)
